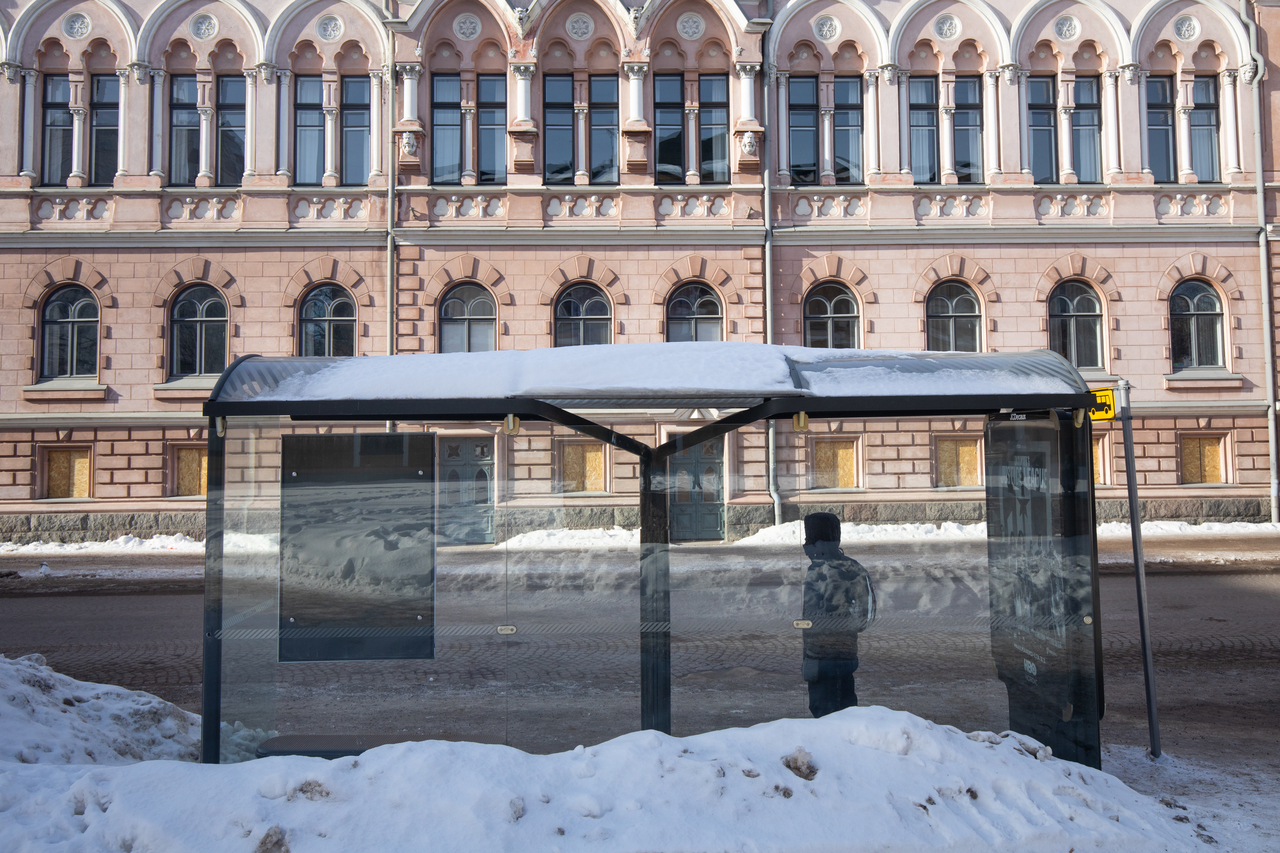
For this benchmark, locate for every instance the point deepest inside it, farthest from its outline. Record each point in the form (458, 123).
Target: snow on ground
(862, 779)
(126, 544)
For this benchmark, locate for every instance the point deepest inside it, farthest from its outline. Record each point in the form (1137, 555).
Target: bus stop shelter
(338, 614)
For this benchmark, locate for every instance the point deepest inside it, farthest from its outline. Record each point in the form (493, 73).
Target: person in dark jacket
(839, 602)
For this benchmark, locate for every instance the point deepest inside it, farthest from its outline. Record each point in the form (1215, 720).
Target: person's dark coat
(840, 602)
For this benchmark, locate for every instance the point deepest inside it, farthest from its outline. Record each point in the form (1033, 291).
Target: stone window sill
(1097, 376)
(1203, 380)
(185, 388)
(65, 388)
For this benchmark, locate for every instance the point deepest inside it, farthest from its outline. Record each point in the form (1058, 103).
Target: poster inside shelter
(357, 549)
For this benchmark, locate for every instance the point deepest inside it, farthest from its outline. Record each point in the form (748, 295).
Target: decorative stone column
(205, 174)
(1143, 137)
(469, 144)
(1066, 157)
(286, 113)
(522, 132)
(523, 72)
(29, 129)
(871, 125)
(828, 174)
(77, 176)
(784, 128)
(331, 176)
(692, 174)
(947, 144)
(635, 72)
(409, 74)
(582, 175)
(904, 122)
(158, 111)
(747, 72)
(1024, 136)
(991, 124)
(375, 124)
(122, 115)
(1230, 123)
(1185, 174)
(1111, 120)
(250, 124)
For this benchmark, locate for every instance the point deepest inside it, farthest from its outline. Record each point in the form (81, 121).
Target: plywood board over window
(582, 467)
(1099, 461)
(192, 464)
(1202, 459)
(959, 462)
(67, 474)
(835, 464)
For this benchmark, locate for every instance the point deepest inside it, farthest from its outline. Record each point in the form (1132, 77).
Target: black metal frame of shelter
(655, 591)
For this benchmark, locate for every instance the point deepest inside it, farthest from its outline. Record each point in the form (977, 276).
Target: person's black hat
(821, 527)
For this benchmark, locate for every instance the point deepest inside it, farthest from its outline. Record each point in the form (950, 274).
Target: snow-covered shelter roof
(648, 376)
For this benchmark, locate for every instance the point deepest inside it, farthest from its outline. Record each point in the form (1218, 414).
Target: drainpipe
(766, 168)
(1264, 261)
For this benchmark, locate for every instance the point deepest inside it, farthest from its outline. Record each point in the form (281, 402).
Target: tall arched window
(582, 316)
(954, 318)
(1195, 326)
(199, 332)
(70, 334)
(694, 314)
(831, 317)
(1075, 324)
(467, 320)
(328, 322)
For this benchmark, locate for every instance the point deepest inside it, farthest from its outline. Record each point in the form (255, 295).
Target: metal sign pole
(1139, 568)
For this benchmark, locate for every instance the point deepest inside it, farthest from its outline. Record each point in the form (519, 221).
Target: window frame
(467, 319)
(202, 327)
(843, 122)
(579, 321)
(1205, 116)
(69, 345)
(563, 131)
(1048, 132)
(855, 318)
(225, 172)
(42, 471)
(951, 316)
(604, 137)
(935, 465)
(491, 121)
(859, 463)
(49, 109)
(328, 321)
(694, 320)
(103, 160)
(972, 110)
(923, 123)
(1167, 129)
(313, 112)
(188, 129)
(446, 117)
(1091, 132)
(562, 445)
(1072, 338)
(174, 451)
(660, 110)
(713, 136)
(802, 118)
(350, 111)
(1224, 457)
(1194, 323)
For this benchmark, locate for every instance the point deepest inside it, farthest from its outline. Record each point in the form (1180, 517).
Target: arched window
(199, 332)
(831, 317)
(1075, 324)
(70, 334)
(954, 318)
(694, 314)
(582, 316)
(468, 320)
(1195, 326)
(328, 322)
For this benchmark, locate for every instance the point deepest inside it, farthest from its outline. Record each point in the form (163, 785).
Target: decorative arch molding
(423, 17)
(835, 268)
(272, 46)
(581, 268)
(147, 35)
(1199, 266)
(22, 26)
(326, 270)
(873, 21)
(729, 13)
(464, 269)
(984, 11)
(68, 270)
(1104, 11)
(618, 15)
(957, 268)
(1229, 16)
(1077, 267)
(197, 270)
(696, 268)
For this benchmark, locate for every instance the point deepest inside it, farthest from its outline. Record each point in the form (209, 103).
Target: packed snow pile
(792, 533)
(1183, 528)
(862, 779)
(49, 718)
(617, 538)
(126, 544)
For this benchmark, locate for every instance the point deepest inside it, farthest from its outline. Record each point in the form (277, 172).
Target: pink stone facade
(363, 156)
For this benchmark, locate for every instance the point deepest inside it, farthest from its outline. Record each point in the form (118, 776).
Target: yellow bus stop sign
(1104, 404)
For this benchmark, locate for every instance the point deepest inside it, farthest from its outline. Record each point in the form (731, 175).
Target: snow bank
(792, 533)
(615, 539)
(49, 718)
(860, 780)
(126, 544)
(1176, 528)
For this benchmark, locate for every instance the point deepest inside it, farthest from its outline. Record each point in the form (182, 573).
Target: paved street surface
(1214, 617)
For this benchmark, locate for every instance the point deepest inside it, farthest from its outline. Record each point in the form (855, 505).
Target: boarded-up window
(1099, 460)
(193, 470)
(835, 464)
(582, 467)
(68, 473)
(1202, 459)
(958, 462)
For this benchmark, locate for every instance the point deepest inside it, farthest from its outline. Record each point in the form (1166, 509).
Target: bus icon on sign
(1104, 405)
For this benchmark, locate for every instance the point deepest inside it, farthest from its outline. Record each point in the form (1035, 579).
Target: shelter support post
(655, 596)
(1139, 569)
(211, 699)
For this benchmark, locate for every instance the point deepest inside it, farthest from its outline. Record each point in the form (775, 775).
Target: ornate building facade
(187, 181)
